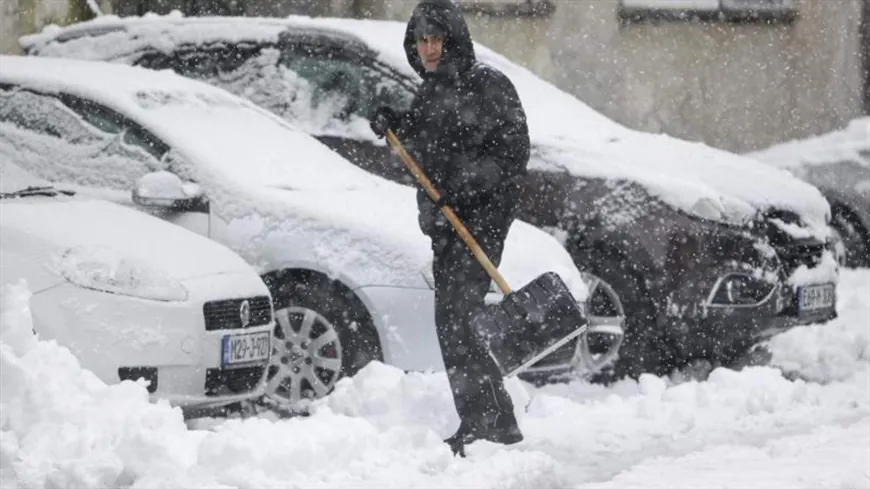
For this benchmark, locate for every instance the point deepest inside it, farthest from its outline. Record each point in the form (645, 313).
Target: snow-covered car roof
(279, 183)
(851, 143)
(567, 134)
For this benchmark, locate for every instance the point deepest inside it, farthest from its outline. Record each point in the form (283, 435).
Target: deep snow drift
(62, 428)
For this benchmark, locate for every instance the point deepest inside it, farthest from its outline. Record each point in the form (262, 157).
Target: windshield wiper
(34, 191)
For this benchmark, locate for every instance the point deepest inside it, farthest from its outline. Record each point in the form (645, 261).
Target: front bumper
(120, 338)
(721, 332)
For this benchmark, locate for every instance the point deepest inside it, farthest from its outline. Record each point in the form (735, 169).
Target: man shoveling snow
(468, 129)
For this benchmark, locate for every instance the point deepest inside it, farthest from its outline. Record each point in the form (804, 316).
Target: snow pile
(61, 428)
(836, 350)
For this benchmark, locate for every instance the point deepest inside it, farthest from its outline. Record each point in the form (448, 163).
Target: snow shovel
(529, 323)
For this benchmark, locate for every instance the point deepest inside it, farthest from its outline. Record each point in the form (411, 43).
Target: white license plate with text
(239, 349)
(815, 297)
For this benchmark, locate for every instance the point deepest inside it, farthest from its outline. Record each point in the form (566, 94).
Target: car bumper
(721, 332)
(126, 338)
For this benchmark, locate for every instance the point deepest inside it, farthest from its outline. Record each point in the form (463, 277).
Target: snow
(166, 185)
(851, 143)
(104, 268)
(825, 272)
(568, 134)
(61, 427)
(829, 352)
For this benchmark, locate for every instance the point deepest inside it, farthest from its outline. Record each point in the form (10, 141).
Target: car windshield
(16, 181)
(245, 143)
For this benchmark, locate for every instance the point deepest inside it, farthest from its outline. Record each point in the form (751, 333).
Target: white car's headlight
(107, 270)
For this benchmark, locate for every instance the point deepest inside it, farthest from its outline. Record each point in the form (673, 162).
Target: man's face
(429, 49)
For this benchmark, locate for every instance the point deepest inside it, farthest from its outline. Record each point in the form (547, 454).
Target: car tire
(320, 337)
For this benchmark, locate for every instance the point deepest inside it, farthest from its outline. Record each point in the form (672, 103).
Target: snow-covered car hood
(567, 135)
(81, 230)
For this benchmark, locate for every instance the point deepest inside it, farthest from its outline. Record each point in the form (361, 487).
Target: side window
(205, 62)
(343, 85)
(67, 139)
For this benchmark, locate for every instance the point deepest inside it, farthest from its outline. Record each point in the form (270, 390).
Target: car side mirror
(166, 190)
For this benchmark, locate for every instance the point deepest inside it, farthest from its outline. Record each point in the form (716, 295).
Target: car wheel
(644, 348)
(851, 241)
(320, 337)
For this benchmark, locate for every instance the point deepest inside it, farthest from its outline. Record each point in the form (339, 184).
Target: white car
(134, 297)
(340, 249)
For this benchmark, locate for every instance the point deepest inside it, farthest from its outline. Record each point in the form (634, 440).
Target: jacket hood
(458, 55)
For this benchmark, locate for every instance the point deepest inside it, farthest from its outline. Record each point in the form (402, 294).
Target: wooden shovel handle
(460, 228)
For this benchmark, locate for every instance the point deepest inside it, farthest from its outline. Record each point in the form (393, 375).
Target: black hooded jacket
(466, 126)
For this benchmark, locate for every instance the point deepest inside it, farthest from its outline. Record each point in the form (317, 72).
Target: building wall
(735, 86)
(20, 17)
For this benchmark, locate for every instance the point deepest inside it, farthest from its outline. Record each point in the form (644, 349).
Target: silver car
(838, 163)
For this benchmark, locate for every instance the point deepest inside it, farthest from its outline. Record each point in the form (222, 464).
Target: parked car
(134, 297)
(340, 249)
(710, 252)
(838, 163)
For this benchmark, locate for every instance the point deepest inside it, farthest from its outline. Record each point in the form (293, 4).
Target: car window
(67, 139)
(44, 115)
(345, 85)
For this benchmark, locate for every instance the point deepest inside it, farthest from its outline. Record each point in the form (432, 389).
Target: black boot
(458, 440)
(503, 429)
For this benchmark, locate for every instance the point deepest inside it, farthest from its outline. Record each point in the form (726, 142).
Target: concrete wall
(20, 17)
(734, 86)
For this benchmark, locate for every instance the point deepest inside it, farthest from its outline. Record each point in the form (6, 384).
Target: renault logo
(245, 313)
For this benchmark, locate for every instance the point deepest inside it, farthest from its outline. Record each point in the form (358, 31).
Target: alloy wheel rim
(306, 357)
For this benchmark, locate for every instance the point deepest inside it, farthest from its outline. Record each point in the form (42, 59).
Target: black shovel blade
(530, 323)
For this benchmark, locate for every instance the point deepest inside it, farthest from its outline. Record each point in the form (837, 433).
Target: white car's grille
(235, 314)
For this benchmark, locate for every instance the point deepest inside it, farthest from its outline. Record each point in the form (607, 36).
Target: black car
(709, 251)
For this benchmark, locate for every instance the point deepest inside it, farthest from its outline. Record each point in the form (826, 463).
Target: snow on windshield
(383, 428)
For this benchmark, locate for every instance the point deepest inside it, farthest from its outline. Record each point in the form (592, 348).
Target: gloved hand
(383, 119)
(431, 218)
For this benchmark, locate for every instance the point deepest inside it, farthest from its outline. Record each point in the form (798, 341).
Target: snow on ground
(60, 427)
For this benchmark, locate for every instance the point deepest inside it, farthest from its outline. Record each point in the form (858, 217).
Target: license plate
(815, 297)
(239, 349)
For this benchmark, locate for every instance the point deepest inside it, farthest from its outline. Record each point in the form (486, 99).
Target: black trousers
(461, 284)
